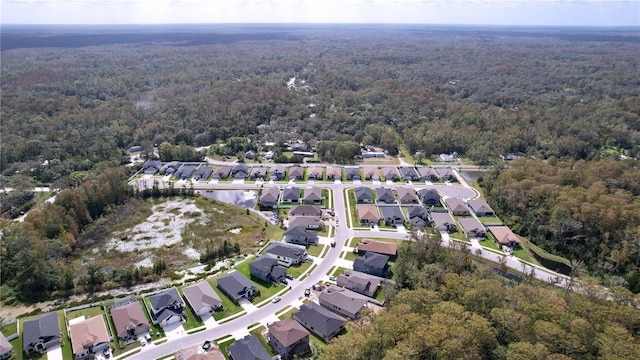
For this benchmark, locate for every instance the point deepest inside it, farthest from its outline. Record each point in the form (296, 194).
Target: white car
(276, 299)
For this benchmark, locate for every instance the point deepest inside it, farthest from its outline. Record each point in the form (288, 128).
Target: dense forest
(75, 99)
(453, 308)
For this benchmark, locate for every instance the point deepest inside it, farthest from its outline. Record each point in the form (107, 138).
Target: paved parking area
(173, 331)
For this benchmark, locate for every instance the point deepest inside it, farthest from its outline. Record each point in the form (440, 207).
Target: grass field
(87, 313)
(350, 255)
(297, 270)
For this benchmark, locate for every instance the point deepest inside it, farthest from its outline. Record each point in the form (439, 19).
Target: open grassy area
(542, 253)
(67, 352)
(351, 200)
(339, 271)
(258, 332)
(229, 308)
(489, 220)
(288, 314)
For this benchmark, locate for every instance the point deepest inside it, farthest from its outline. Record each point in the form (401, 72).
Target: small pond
(243, 198)
(471, 175)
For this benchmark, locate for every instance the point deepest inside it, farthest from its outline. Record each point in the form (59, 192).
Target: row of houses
(279, 172)
(272, 196)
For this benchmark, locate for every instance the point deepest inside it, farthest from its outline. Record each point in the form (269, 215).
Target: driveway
(174, 331)
(55, 353)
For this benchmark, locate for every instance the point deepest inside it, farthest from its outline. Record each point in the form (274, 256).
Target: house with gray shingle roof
(429, 197)
(167, 307)
(312, 195)
(427, 173)
(6, 349)
(258, 172)
(277, 172)
(390, 173)
(352, 173)
(409, 173)
(359, 282)
(41, 334)
(457, 207)
(248, 348)
(287, 254)
(385, 195)
(342, 301)
(319, 320)
(480, 207)
(406, 195)
(267, 269)
(363, 195)
(269, 197)
(184, 172)
(237, 287)
(472, 228)
(296, 173)
(202, 298)
(291, 195)
(391, 215)
(300, 235)
(443, 221)
(372, 263)
(202, 173)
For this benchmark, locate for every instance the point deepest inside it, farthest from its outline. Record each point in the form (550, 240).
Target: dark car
(206, 345)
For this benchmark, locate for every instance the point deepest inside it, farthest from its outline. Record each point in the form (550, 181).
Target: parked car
(289, 276)
(276, 299)
(307, 292)
(207, 345)
(142, 342)
(284, 281)
(332, 278)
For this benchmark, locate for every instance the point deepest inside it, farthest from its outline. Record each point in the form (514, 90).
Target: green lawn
(339, 271)
(288, 314)
(310, 271)
(297, 270)
(229, 308)
(258, 332)
(325, 198)
(314, 250)
(350, 199)
(223, 347)
(67, 352)
(87, 313)
(274, 233)
(379, 295)
(489, 220)
(10, 329)
(351, 256)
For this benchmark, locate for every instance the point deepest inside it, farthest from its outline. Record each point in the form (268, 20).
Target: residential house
(371, 173)
(277, 172)
(287, 254)
(41, 334)
(296, 173)
(444, 173)
(298, 147)
(167, 307)
(372, 263)
(427, 173)
(312, 195)
(418, 216)
(472, 228)
(390, 173)
(446, 158)
(169, 168)
(291, 195)
(352, 173)
(250, 155)
(409, 173)
(6, 349)
(457, 207)
(88, 337)
(385, 195)
(379, 247)
(135, 149)
(128, 319)
(202, 298)
(480, 207)
(406, 195)
(151, 167)
(363, 195)
(300, 235)
(306, 210)
(392, 215)
(269, 197)
(289, 338)
(267, 269)
(504, 236)
(372, 154)
(510, 157)
(221, 172)
(309, 222)
(319, 320)
(444, 222)
(202, 173)
(184, 172)
(258, 172)
(314, 173)
(240, 172)
(334, 173)
(237, 287)
(429, 197)
(361, 283)
(342, 301)
(368, 214)
(248, 348)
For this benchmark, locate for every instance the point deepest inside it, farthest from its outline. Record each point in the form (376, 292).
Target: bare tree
(576, 268)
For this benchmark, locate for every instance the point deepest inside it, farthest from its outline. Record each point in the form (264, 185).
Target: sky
(476, 12)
